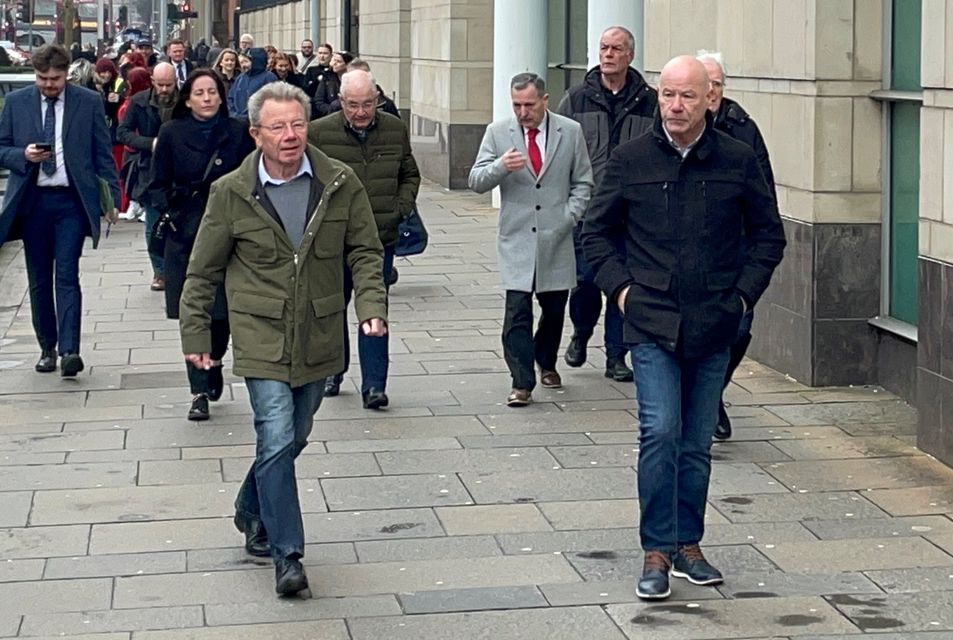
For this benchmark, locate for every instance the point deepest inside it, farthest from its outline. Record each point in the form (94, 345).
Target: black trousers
(521, 349)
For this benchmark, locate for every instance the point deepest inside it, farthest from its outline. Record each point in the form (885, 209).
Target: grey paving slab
(730, 619)
(469, 460)
(51, 596)
(757, 533)
(783, 584)
(531, 440)
(115, 565)
(539, 486)
(67, 476)
(913, 579)
(349, 494)
(397, 427)
(591, 514)
(477, 599)
(15, 508)
(569, 541)
(845, 412)
(747, 451)
(743, 434)
(123, 455)
(427, 549)
(333, 465)
(313, 630)
(108, 621)
(21, 570)
(88, 636)
(839, 447)
(626, 564)
(930, 611)
(86, 413)
(741, 478)
(585, 457)
(860, 474)
(276, 610)
(914, 501)
(612, 591)
(163, 535)
(9, 624)
(521, 423)
(879, 528)
(856, 555)
(90, 440)
(371, 525)
(231, 451)
(796, 506)
(484, 519)
(43, 542)
(235, 558)
(404, 444)
(570, 623)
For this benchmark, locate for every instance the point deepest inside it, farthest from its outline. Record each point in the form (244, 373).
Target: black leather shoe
(290, 578)
(723, 427)
(70, 365)
(690, 564)
(618, 370)
(216, 383)
(256, 538)
(374, 399)
(47, 361)
(332, 386)
(576, 351)
(199, 409)
(653, 585)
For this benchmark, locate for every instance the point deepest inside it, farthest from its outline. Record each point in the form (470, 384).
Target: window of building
(902, 100)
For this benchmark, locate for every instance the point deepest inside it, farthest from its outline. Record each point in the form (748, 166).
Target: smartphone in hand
(43, 146)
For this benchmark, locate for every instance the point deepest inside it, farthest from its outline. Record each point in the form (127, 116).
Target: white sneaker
(127, 215)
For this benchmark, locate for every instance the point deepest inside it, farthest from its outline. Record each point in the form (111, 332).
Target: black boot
(576, 351)
(723, 427)
(198, 412)
(256, 538)
(290, 578)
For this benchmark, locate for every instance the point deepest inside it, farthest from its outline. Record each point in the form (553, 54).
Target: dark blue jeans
(283, 420)
(373, 351)
(678, 408)
(158, 261)
(585, 306)
(54, 231)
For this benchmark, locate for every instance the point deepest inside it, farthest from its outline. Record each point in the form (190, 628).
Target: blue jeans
(585, 306)
(371, 350)
(283, 420)
(54, 231)
(158, 262)
(678, 408)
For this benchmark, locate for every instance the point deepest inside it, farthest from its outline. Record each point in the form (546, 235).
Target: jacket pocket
(255, 240)
(658, 280)
(329, 239)
(257, 325)
(649, 208)
(325, 333)
(724, 196)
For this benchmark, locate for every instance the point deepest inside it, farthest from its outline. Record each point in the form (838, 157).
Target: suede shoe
(576, 351)
(653, 585)
(70, 365)
(690, 564)
(198, 412)
(617, 370)
(256, 538)
(289, 577)
(47, 361)
(723, 426)
(375, 399)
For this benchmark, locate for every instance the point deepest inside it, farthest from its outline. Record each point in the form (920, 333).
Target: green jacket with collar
(285, 304)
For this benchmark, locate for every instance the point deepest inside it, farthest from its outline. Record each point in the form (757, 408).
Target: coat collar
(553, 136)
(702, 148)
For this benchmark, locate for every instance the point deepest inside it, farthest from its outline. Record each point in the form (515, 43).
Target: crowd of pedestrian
(273, 184)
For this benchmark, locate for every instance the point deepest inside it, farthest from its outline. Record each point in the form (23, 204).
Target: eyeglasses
(298, 126)
(354, 106)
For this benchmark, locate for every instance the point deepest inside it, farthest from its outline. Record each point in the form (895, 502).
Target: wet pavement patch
(798, 620)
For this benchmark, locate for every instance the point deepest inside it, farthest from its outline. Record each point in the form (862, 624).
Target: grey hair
(714, 56)
(629, 38)
(80, 72)
(522, 80)
(279, 92)
(348, 79)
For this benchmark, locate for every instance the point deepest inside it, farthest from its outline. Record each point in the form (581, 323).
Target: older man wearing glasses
(377, 147)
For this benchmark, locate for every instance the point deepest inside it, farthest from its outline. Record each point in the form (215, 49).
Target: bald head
(359, 96)
(163, 81)
(684, 94)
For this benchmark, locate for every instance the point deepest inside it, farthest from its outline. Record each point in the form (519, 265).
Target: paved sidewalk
(448, 516)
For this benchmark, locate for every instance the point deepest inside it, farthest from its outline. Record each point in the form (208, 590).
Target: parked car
(30, 41)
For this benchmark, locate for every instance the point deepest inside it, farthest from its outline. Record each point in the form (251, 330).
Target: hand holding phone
(43, 146)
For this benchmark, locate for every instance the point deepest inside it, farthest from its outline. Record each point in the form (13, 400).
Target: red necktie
(535, 157)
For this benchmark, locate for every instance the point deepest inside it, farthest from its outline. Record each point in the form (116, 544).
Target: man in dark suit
(179, 61)
(54, 141)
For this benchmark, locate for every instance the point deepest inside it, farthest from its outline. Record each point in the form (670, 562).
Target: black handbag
(166, 222)
(412, 235)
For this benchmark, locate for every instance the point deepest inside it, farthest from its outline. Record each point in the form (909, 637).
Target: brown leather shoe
(158, 284)
(550, 380)
(519, 398)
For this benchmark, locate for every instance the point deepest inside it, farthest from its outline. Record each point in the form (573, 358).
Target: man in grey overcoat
(539, 161)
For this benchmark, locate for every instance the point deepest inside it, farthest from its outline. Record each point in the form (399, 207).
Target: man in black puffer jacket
(735, 121)
(377, 147)
(613, 104)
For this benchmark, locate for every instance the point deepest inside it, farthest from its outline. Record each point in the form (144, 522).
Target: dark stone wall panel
(445, 152)
(929, 315)
(845, 352)
(846, 271)
(897, 366)
(781, 339)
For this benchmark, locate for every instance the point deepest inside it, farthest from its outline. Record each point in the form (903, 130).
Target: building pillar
(519, 44)
(606, 13)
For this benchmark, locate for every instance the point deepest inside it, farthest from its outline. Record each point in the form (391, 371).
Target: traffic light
(172, 11)
(187, 12)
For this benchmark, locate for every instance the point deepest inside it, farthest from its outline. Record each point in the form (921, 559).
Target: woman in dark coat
(325, 98)
(196, 147)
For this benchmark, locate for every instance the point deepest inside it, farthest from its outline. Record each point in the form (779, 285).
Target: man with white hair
(735, 121)
(376, 146)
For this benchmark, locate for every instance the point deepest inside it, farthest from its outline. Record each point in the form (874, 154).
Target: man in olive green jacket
(278, 231)
(377, 147)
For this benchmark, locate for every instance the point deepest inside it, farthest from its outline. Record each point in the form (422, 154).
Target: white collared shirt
(58, 179)
(683, 152)
(540, 137)
(266, 179)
